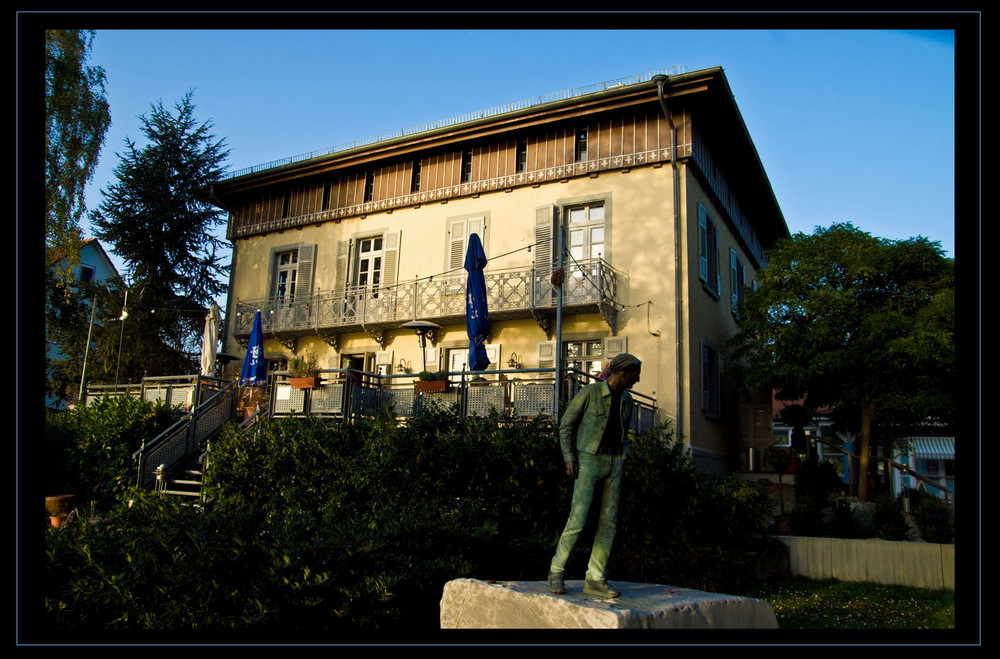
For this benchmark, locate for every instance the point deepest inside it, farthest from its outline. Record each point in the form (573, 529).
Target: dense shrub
(889, 518)
(932, 516)
(331, 526)
(89, 449)
(682, 526)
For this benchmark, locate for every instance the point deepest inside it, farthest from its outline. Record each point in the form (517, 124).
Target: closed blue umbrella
(477, 321)
(254, 372)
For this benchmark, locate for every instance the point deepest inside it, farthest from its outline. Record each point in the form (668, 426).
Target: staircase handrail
(182, 438)
(902, 468)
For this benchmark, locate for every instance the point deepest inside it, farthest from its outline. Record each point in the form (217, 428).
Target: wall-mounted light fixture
(514, 362)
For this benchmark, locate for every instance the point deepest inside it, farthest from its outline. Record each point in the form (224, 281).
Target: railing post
(161, 478)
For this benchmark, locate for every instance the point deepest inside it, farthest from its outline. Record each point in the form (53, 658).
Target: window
(286, 205)
(369, 186)
(87, 273)
(585, 356)
(459, 229)
(711, 380)
(368, 264)
(287, 274)
(708, 257)
(737, 280)
(521, 162)
(369, 261)
(466, 165)
(291, 272)
(581, 145)
(415, 178)
(585, 232)
(326, 195)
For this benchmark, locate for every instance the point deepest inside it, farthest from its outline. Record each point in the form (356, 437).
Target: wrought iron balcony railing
(589, 286)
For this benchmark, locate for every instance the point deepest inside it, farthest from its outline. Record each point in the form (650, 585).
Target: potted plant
(250, 400)
(428, 381)
(303, 372)
(58, 508)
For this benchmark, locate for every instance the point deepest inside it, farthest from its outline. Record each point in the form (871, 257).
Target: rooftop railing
(462, 118)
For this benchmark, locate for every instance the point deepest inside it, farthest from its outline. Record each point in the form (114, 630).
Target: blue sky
(851, 125)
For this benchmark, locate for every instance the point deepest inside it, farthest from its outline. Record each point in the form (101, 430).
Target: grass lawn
(809, 604)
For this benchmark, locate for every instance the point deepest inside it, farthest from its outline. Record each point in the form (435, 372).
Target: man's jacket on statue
(586, 416)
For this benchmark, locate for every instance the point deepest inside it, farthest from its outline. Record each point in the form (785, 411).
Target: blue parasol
(477, 320)
(254, 372)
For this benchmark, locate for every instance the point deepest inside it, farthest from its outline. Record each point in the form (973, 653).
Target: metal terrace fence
(514, 395)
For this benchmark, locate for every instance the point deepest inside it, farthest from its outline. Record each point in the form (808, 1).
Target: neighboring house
(94, 265)
(338, 250)
(930, 458)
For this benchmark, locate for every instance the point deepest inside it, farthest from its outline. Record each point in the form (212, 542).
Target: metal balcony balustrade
(589, 287)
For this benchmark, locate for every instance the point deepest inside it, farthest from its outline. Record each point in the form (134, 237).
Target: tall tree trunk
(864, 451)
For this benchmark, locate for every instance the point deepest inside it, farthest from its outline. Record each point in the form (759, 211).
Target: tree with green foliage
(77, 117)
(165, 235)
(861, 324)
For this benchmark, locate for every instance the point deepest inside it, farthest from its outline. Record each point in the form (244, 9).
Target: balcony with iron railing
(589, 287)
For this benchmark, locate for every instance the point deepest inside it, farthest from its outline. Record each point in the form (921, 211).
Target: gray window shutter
(459, 231)
(612, 347)
(546, 354)
(456, 244)
(702, 243)
(544, 239)
(390, 256)
(307, 261)
(734, 279)
(341, 271)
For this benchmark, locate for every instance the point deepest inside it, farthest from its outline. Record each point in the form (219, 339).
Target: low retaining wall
(917, 564)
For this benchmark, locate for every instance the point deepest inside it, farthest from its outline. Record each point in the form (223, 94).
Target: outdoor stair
(186, 483)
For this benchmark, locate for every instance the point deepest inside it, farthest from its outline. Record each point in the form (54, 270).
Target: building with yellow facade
(645, 197)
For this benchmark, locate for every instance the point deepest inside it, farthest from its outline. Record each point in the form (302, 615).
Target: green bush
(314, 526)
(682, 526)
(889, 519)
(89, 449)
(932, 516)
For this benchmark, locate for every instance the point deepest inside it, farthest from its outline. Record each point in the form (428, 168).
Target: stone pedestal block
(474, 604)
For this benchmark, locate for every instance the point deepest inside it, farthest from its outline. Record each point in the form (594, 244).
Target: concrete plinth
(474, 604)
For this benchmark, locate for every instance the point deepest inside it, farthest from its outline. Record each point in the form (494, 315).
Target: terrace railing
(514, 395)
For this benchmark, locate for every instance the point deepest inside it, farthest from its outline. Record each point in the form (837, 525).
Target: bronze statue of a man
(593, 437)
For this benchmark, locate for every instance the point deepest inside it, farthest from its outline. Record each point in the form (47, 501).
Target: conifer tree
(166, 237)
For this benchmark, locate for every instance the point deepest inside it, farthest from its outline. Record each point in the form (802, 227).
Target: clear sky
(851, 125)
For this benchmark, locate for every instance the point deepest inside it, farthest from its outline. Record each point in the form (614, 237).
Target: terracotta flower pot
(59, 505)
(304, 383)
(431, 385)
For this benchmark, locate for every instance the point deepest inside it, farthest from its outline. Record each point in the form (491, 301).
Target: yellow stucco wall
(640, 246)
